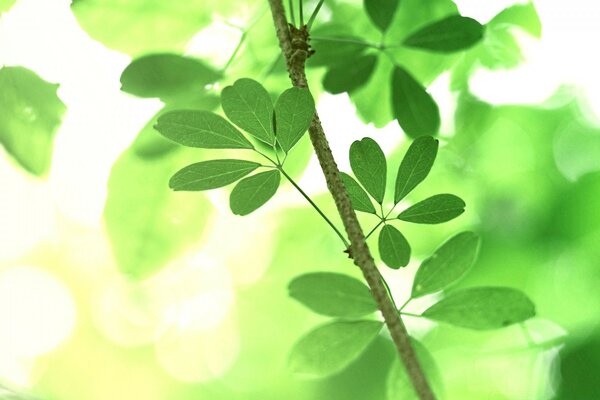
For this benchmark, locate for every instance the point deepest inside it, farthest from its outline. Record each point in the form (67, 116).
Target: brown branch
(294, 45)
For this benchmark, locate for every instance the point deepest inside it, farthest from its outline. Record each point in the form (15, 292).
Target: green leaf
(146, 223)
(399, 385)
(347, 77)
(381, 12)
(251, 193)
(482, 308)
(294, 111)
(5, 5)
(211, 174)
(393, 247)
(331, 347)
(166, 76)
(248, 105)
(359, 198)
(416, 111)
(448, 35)
(524, 16)
(202, 129)
(448, 264)
(369, 166)
(415, 166)
(30, 114)
(335, 295)
(330, 52)
(434, 210)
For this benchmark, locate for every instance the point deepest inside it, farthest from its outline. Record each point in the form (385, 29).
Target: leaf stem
(301, 12)
(404, 304)
(292, 16)
(235, 52)
(312, 203)
(313, 16)
(275, 163)
(348, 40)
(374, 229)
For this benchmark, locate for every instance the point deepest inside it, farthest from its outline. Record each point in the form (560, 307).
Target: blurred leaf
(251, 193)
(331, 347)
(448, 264)
(453, 33)
(501, 50)
(369, 166)
(524, 16)
(416, 111)
(331, 52)
(294, 111)
(415, 166)
(166, 76)
(579, 366)
(202, 129)
(381, 12)
(31, 113)
(332, 294)
(393, 247)
(248, 105)
(211, 174)
(347, 77)
(147, 224)
(482, 308)
(358, 196)
(372, 100)
(399, 385)
(434, 210)
(5, 5)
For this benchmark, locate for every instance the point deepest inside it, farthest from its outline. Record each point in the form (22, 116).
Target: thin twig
(295, 58)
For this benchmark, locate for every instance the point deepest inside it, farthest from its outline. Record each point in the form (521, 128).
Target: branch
(294, 45)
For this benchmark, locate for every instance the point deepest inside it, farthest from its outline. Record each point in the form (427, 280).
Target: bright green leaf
(415, 166)
(166, 76)
(483, 308)
(448, 35)
(248, 105)
(331, 347)
(393, 247)
(448, 264)
(30, 114)
(332, 294)
(369, 166)
(434, 210)
(347, 77)
(416, 111)
(381, 12)
(5, 5)
(359, 198)
(294, 111)
(211, 174)
(524, 16)
(202, 129)
(251, 193)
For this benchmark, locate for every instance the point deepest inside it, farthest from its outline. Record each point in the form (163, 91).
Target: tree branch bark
(294, 45)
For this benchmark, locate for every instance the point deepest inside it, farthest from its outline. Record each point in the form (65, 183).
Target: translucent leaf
(334, 52)
(450, 34)
(332, 294)
(369, 166)
(30, 114)
(448, 264)
(377, 87)
(211, 174)
(294, 111)
(331, 347)
(434, 210)
(524, 16)
(359, 198)
(251, 193)
(202, 129)
(393, 247)
(483, 308)
(416, 111)
(399, 385)
(415, 165)
(381, 12)
(347, 77)
(166, 76)
(147, 224)
(5, 5)
(248, 105)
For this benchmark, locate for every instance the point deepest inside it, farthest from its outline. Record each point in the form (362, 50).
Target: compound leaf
(369, 166)
(483, 308)
(202, 129)
(453, 33)
(331, 347)
(252, 192)
(211, 174)
(248, 105)
(448, 264)
(332, 294)
(393, 247)
(294, 111)
(434, 210)
(359, 198)
(381, 12)
(415, 166)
